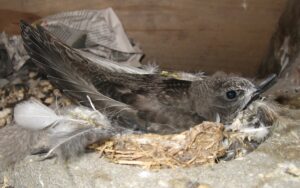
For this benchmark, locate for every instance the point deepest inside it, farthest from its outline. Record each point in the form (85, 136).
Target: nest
(203, 144)
(200, 145)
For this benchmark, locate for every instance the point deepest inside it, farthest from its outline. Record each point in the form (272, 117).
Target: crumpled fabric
(97, 34)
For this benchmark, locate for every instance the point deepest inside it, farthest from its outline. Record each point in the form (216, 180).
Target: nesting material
(5, 116)
(24, 85)
(249, 129)
(201, 144)
(254, 122)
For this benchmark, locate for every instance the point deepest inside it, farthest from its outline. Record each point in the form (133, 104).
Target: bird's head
(222, 97)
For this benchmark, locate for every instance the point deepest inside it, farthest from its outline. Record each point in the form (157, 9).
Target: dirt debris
(24, 85)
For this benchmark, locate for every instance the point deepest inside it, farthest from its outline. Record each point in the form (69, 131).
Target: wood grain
(9, 20)
(190, 35)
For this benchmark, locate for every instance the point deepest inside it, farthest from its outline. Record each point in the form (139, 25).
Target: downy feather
(69, 133)
(34, 115)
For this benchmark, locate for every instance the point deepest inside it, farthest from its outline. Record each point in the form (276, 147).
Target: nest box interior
(192, 35)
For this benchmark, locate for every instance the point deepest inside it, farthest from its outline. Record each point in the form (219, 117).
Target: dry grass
(201, 144)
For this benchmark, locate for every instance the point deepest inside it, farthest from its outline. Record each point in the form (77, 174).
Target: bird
(142, 102)
(134, 101)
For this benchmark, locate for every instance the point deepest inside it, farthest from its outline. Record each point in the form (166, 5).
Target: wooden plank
(9, 20)
(191, 35)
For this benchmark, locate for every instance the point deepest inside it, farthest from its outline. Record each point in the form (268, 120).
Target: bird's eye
(231, 94)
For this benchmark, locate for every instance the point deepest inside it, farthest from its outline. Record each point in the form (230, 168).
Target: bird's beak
(267, 83)
(261, 88)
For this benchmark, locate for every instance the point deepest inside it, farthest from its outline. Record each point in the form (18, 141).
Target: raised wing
(65, 67)
(78, 76)
(83, 79)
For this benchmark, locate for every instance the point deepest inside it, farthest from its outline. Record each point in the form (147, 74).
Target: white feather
(257, 134)
(218, 119)
(190, 76)
(151, 68)
(34, 115)
(60, 140)
(69, 132)
(113, 66)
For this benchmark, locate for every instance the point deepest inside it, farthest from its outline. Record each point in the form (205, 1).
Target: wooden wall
(190, 35)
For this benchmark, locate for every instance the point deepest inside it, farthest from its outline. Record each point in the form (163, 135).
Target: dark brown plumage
(142, 102)
(146, 102)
